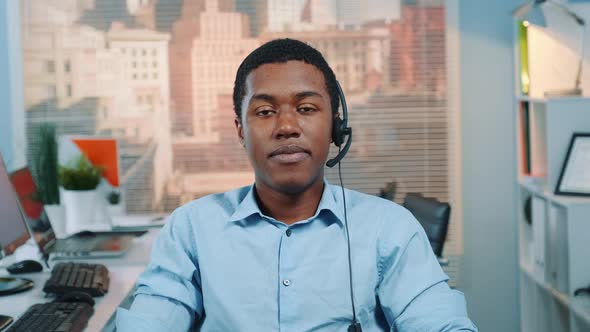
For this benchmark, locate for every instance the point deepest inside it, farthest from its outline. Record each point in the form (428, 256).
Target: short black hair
(281, 51)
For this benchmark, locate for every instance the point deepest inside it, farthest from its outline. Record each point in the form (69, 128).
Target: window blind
(158, 75)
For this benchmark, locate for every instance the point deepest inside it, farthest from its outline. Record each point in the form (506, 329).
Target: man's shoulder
(389, 214)
(213, 205)
(231, 197)
(357, 199)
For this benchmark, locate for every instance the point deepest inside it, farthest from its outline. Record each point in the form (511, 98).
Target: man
(273, 256)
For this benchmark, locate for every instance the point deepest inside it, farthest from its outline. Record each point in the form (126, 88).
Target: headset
(340, 132)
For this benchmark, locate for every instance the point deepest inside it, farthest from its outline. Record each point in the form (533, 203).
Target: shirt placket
(287, 282)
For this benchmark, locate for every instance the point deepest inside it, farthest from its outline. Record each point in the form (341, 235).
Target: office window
(69, 90)
(50, 66)
(67, 66)
(390, 61)
(51, 92)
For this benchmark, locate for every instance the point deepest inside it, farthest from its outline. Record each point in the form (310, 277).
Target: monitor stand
(11, 285)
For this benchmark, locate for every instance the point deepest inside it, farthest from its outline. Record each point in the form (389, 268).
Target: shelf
(553, 98)
(559, 296)
(579, 306)
(534, 185)
(531, 99)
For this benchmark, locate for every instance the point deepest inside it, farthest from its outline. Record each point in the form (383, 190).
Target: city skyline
(163, 84)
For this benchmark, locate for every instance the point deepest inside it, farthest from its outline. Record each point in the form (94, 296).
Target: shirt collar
(248, 206)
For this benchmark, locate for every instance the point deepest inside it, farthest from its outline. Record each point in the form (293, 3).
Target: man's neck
(289, 208)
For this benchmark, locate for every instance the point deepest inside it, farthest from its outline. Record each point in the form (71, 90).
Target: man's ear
(240, 130)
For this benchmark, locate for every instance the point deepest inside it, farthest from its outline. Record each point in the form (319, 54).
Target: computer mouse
(26, 266)
(76, 296)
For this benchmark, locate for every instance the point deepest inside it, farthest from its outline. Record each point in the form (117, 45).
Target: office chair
(434, 218)
(388, 192)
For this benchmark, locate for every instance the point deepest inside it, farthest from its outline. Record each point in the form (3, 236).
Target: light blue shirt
(220, 264)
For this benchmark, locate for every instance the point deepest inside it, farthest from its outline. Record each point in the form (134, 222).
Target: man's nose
(287, 125)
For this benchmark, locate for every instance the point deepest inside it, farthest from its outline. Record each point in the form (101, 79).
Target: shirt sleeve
(413, 289)
(168, 293)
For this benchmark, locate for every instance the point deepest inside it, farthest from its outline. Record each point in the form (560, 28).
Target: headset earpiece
(337, 131)
(340, 131)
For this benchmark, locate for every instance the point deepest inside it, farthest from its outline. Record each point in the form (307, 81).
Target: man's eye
(264, 113)
(306, 109)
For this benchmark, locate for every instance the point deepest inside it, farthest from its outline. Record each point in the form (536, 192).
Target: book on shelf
(557, 257)
(539, 221)
(524, 58)
(525, 138)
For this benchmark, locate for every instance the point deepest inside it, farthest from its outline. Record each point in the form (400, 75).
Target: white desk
(123, 273)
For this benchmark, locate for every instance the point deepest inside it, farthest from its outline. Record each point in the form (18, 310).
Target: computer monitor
(13, 231)
(36, 218)
(13, 228)
(26, 190)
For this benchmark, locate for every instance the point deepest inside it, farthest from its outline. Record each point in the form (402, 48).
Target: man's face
(286, 125)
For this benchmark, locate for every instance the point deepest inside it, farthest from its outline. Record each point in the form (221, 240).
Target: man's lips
(289, 154)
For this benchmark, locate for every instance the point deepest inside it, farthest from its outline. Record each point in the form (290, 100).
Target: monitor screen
(13, 229)
(38, 222)
(26, 190)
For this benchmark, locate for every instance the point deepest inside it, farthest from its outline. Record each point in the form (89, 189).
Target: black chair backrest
(388, 192)
(433, 216)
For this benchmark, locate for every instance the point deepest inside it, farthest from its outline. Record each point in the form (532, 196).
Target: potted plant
(44, 169)
(115, 207)
(79, 180)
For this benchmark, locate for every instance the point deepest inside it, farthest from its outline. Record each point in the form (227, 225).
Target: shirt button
(286, 282)
(288, 232)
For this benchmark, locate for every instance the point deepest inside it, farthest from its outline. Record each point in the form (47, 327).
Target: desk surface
(123, 272)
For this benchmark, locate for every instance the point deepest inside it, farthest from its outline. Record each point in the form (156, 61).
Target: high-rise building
(280, 15)
(418, 49)
(145, 56)
(223, 42)
(358, 58)
(353, 13)
(60, 63)
(320, 14)
(184, 31)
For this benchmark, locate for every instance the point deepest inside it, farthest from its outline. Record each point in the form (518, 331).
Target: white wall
(12, 123)
(485, 92)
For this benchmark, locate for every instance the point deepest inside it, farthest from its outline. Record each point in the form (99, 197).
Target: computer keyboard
(66, 277)
(56, 316)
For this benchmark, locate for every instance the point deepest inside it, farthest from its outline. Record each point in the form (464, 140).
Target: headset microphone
(340, 130)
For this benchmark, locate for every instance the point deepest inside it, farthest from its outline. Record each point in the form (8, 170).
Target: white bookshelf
(554, 248)
(554, 243)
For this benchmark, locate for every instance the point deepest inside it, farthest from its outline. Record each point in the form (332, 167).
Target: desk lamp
(532, 13)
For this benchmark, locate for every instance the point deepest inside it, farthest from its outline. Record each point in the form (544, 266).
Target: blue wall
(12, 136)
(490, 271)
